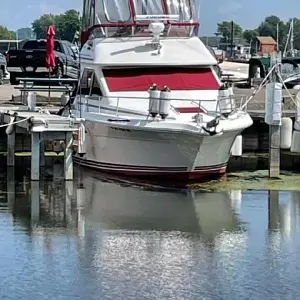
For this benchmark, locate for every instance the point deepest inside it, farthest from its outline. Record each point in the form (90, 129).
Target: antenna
(277, 36)
(292, 38)
(288, 37)
(156, 18)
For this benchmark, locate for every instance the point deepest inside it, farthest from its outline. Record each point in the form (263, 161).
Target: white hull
(141, 151)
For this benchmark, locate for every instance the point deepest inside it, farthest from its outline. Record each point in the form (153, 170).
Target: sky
(21, 13)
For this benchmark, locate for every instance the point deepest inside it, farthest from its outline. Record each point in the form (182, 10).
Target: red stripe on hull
(200, 174)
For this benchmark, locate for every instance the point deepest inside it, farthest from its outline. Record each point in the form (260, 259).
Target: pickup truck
(30, 61)
(3, 71)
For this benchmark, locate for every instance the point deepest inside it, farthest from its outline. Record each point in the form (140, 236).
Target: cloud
(230, 6)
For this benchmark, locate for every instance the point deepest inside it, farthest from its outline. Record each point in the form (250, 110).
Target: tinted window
(84, 87)
(40, 45)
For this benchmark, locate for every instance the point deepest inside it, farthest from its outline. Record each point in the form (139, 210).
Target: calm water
(99, 240)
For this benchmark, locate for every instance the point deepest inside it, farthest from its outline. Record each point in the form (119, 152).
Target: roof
(138, 51)
(266, 40)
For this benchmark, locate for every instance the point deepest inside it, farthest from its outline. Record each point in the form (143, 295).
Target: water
(93, 239)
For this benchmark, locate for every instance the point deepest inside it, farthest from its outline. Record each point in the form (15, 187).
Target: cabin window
(89, 84)
(176, 78)
(182, 8)
(85, 82)
(112, 11)
(95, 86)
(144, 7)
(88, 13)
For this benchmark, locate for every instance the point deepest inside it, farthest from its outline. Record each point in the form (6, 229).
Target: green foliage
(6, 34)
(250, 34)
(25, 33)
(267, 28)
(224, 30)
(66, 25)
(40, 26)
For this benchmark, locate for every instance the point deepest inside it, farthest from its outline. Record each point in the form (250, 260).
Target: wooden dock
(41, 127)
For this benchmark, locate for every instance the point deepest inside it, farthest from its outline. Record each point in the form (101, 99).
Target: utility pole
(231, 39)
(273, 113)
(277, 36)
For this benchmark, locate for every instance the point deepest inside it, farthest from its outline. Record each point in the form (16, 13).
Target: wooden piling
(11, 143)
(35, 156)
(274, 129)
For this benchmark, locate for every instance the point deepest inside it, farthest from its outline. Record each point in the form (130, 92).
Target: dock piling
(274, 151)
(11, 141)
(42, 153)
(35, 156)
(68, 157)
(273, 116)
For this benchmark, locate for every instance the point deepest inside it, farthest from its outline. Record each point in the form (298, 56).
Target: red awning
(140, 79)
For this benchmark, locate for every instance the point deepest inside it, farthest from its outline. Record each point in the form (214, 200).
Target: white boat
(185, 132)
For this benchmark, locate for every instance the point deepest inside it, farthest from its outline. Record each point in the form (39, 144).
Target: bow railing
(116, 105)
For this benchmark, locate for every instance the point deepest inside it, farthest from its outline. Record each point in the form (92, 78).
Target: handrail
(172, 99)
(230, 103)
(27, 84)
(46, 79)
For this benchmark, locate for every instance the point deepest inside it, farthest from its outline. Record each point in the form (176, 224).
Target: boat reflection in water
(127, 242)
(100, 202)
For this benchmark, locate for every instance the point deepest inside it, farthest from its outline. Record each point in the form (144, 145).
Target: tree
(25, 33)
(250, 34)
(66, 25)
(41, 25)
(6, 34)
(224, 29)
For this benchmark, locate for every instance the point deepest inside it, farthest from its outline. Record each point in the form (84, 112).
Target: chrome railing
(224, 104)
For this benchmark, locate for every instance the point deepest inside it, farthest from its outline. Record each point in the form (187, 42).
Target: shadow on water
(98, 239)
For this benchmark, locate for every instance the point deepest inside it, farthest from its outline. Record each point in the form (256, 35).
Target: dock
(41, 127)
(33, 131)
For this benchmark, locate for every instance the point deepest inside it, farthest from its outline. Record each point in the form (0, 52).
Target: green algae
(257, 180)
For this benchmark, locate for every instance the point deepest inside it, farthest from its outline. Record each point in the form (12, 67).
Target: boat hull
(157, 155)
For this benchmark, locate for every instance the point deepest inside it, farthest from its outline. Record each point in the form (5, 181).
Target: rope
(16, 122)
(289, 94)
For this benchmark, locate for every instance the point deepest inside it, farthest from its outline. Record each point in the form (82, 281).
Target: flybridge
(114, 18)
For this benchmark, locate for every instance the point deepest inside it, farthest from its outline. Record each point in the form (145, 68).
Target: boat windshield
(109, 16)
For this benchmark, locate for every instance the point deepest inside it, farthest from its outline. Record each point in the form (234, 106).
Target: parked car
(3, 70)
(30, 61)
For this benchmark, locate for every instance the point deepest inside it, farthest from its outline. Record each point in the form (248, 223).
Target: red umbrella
(50, 56)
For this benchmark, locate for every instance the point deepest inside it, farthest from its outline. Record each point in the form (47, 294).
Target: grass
(257, 180)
